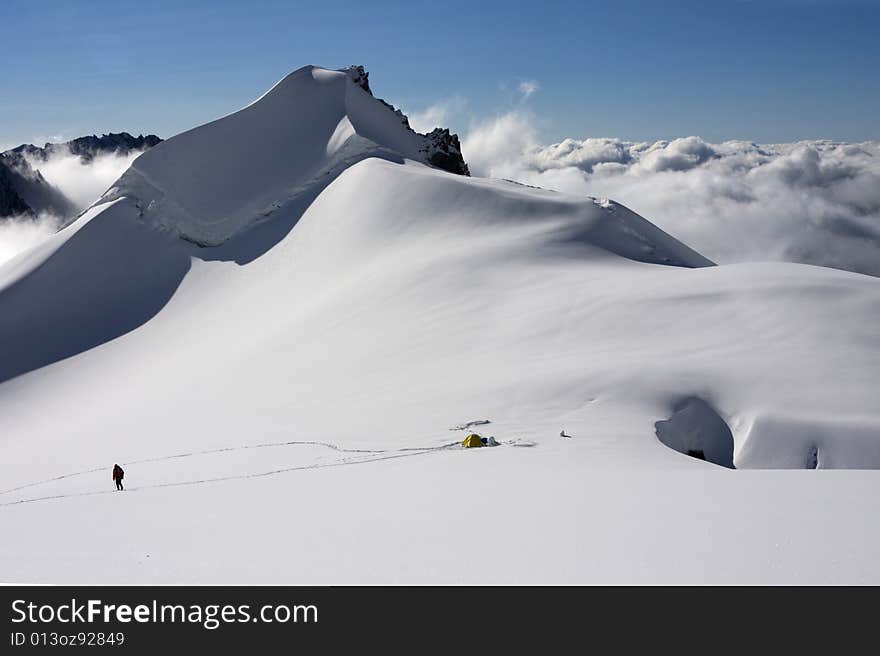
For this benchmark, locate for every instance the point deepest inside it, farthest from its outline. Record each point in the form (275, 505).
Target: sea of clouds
(814, 202)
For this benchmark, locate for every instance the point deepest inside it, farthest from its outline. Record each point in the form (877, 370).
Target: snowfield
(275, 340)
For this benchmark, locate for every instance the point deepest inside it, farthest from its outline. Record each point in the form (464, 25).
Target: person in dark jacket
(117, 476)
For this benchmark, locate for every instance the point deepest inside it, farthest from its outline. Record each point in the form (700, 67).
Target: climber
(117, 476)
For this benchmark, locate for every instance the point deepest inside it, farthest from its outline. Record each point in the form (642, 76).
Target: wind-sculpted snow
(809, 441)
(696, 429)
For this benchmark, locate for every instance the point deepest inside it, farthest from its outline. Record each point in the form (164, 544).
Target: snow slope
(282, 400)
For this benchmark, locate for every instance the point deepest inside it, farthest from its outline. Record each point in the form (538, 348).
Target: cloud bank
(83, 182)
(815, 202)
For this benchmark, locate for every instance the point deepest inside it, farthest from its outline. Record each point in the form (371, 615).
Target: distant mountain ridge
(89, 146)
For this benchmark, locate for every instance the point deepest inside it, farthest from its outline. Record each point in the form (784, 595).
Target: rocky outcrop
(444, 151)
(360, 77)
(11, 203)
(441, 148)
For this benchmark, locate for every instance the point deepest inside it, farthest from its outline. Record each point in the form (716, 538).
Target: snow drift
(273, 341)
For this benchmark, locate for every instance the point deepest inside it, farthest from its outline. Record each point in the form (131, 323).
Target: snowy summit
(210, 183)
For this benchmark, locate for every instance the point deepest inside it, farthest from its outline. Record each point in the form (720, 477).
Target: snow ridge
(212, 182)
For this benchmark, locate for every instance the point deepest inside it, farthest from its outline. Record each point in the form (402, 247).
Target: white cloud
(83, 182)
(492, 147)
(20, 233)
(439, 115)
(528, 87)
(816, 202)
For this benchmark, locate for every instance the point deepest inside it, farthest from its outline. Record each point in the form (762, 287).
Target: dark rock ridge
(361, 77)
(444, 151)
(88, 147)
(442, 148)
(11, 204)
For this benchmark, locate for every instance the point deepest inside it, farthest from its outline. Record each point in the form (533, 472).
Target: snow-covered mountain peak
(212, 182)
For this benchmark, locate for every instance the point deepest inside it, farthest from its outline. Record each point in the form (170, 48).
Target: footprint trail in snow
(358, 456)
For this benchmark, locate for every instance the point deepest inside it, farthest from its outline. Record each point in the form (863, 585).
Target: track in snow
(362, 456)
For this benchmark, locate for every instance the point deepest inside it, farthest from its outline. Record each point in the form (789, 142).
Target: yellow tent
(472, 440)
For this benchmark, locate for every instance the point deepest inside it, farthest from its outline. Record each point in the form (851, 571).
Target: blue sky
(768, 71)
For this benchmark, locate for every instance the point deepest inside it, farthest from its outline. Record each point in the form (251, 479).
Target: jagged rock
(361, 77)
(442, 148)
(88, 147)
(444, 151)
(11, 203)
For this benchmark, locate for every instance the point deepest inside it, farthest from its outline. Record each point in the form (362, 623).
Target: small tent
(472, 440)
